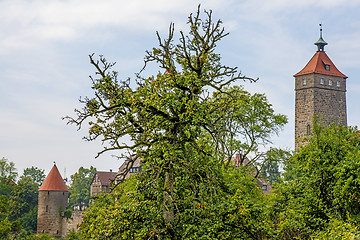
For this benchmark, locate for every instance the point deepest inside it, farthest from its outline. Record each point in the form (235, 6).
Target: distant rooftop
(106, 178)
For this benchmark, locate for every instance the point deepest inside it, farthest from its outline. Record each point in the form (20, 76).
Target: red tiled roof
(53, 181)
(317, 65)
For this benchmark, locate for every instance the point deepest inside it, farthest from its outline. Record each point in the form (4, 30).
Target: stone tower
(53, 200)
(320, 89)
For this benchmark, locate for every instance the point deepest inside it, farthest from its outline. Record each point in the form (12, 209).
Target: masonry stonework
(51, 208)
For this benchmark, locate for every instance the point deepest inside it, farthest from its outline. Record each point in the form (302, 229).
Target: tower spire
(320, 43)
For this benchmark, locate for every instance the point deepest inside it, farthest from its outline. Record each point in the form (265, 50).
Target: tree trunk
(168, 204)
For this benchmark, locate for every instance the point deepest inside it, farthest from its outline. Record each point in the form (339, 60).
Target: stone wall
(72, 223)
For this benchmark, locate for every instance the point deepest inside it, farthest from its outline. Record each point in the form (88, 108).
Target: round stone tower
(53, 200)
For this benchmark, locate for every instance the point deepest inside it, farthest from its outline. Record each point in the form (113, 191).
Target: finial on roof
(320, 43)
(54, 163)
(320, 30)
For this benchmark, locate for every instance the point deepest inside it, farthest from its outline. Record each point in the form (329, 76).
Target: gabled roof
(53, 181)
(317, 65)
(106, 178)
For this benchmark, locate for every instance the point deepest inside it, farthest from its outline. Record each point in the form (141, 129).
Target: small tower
(320, 89)
(53, 200)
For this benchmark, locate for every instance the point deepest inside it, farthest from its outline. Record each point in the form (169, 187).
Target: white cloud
(29, 22)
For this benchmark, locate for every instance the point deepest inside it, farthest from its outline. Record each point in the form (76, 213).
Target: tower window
(308, 130)
(330, 82)
(321, 81)
(338, 83)
(304, 81)
(47, 208)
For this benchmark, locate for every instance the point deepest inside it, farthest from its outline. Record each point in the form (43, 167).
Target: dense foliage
(127, 213)
(320, 194)
(18, 200)
(80, 187)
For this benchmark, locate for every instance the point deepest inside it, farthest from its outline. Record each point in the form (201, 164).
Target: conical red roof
(54, 182)
(317, 65)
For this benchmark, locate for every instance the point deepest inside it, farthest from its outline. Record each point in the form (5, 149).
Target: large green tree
(38, 175)
(7, 170)
(243, 124)
(25, 197)
(173, 123)
(80, 186)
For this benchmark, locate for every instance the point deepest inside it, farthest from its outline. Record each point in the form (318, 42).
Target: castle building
(102, 182)
(53, 200)
(320, 90)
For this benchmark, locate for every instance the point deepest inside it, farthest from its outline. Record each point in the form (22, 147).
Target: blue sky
(44, 65)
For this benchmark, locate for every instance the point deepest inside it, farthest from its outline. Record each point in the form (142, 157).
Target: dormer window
(304, 81)
(330, 82)
(326, 64)
(321, 81)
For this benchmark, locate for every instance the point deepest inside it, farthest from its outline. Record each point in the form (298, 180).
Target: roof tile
(106, 178)
(53, 181)
(317, 65)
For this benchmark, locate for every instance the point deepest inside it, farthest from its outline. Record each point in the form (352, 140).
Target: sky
(45, 69)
